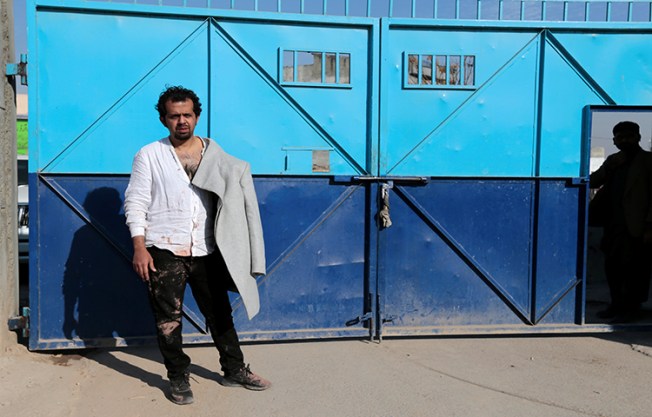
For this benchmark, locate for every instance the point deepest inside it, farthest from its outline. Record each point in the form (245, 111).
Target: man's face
(180, 119)
(625, 140)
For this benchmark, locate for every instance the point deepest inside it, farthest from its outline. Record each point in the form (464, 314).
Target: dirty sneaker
(180, 392)
(243, 377)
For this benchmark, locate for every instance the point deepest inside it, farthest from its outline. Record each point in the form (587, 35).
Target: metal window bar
(587, 11)
(295, 66)
(629, 11)
(337, 68)
(454, 8)
(323, 68)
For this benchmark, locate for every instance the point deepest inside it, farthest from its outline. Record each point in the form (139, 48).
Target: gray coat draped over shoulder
(238, 229)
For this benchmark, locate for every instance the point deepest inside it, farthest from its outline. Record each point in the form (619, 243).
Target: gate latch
(358, 319)
(383, 214)
(20, 322)
(19, 69)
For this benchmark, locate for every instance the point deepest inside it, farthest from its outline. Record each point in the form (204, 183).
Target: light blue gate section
(280, 125)
(575, 75)
(487, 129)
(522, 116)
(94, 102)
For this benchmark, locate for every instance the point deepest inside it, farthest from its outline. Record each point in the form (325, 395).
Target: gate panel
(627, 80)
(498, 246)
(460, 130)
(308, 131)
(294, 118)
(317, 260)
(85, 293)
(82, 289)
(104, 114)
(458, 254)
(575, 76)
(472, 130)
(559, 263)
(315, 227)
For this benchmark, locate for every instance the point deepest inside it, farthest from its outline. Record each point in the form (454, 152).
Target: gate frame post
(8, 185)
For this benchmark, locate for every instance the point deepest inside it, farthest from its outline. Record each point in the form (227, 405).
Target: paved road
(562, 376)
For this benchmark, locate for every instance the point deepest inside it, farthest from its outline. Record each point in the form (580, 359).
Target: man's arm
(601, 175)
(137, 202)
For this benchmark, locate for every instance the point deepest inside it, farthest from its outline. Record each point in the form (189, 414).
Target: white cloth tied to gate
(385, 220)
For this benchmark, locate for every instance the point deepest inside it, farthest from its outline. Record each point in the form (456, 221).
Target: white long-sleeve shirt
(162, 204)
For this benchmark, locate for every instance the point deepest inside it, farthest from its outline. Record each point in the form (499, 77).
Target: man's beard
(183, 136)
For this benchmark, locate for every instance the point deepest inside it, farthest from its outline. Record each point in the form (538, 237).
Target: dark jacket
(637, 197)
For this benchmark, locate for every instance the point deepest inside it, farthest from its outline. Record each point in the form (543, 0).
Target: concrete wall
(8, 226)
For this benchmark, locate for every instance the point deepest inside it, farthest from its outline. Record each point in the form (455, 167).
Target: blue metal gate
(471, 134)
(493, 239)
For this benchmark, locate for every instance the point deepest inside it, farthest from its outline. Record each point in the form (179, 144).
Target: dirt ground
(561, 376)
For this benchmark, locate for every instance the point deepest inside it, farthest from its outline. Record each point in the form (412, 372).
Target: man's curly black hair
(175, 94)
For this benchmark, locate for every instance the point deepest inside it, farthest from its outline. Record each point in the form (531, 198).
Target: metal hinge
(389, 319)
(19, 69)
(20, 322)
(367, 317)
(364, 317)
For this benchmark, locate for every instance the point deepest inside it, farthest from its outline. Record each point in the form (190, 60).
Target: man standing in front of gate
(624, 208)
(193, 216)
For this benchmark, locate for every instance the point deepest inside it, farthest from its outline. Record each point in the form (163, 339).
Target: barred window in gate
(433, 71)
(314, 68)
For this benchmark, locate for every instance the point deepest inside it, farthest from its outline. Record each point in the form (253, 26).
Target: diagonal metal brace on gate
(464, 255)
(577, 67)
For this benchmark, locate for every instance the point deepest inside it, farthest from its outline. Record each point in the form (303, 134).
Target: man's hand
(142, 262)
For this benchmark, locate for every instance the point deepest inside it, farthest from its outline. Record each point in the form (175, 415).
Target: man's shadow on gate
(104, 300)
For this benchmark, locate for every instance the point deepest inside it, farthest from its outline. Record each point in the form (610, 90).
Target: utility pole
(8, 182)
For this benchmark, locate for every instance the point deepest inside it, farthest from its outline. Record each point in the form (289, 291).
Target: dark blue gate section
(559, 265)
(491, 252)
(317, 275)
(86, 293)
